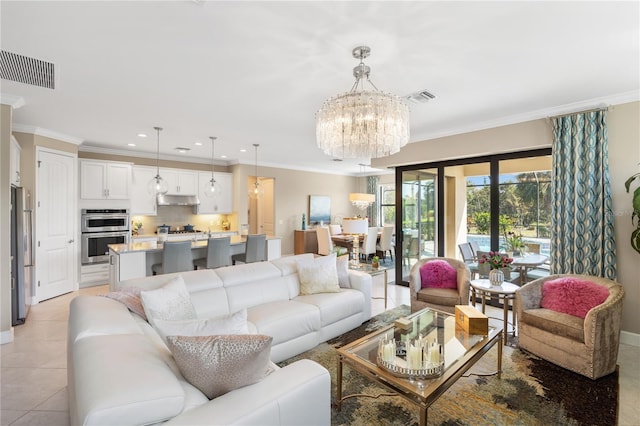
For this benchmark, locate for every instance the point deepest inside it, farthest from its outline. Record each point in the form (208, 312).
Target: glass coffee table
(460, 351)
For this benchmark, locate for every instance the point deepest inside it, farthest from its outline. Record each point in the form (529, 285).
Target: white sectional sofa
(121, 372)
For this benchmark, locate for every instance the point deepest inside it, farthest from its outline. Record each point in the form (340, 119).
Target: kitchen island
(134, 259)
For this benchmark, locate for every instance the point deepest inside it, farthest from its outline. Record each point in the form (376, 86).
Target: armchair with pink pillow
(572, 321)
(439, 283)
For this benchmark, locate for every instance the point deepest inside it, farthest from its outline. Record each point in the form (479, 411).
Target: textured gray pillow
(219, 364)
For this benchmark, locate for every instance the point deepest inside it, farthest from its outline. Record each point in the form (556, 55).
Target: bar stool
(218, 254)
(255, 250)
(176, 257)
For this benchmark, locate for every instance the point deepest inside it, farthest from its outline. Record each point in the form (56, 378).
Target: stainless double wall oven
(101, 227)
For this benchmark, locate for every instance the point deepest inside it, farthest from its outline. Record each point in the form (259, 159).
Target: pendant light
(212, 190)
(362, 200)
(157, 185)
(256, 190)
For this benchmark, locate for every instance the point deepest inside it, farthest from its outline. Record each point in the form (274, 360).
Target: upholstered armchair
(440, 287)
(586, 346)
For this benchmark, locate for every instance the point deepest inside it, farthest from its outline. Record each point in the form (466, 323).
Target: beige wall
(6, 331)
(292, 196)
(624, 159)
(624, 156)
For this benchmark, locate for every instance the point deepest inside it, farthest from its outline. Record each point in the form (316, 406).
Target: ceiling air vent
(24, 69)
(421, 97)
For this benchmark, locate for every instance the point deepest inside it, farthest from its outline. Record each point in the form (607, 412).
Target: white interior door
(266, 207)
(56, 220)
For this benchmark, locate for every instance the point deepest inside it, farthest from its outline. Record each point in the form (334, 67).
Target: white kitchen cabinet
(14, 167)
(142, 202)
(104, 180)
(221, 204)
(181, 182)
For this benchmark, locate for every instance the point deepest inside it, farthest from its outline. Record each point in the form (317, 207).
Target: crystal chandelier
(362, 123)
(157, 185)
(256, 190)
(210, 188)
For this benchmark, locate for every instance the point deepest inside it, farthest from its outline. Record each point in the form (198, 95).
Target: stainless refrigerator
(21, 254)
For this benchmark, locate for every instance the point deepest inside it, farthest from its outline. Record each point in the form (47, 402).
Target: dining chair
(176, 257)
(475, 248)
(218, 254)
(368, 246)
(468, 257)
(255, 250)
(325, 243)
(335, 229)
(410, 248)
(385, 245)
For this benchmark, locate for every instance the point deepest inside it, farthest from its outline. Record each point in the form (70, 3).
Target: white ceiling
(256, 72)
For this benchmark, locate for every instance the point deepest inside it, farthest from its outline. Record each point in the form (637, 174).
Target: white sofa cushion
(335, 306)
(284, 320)
(124, 380)
(101, 316)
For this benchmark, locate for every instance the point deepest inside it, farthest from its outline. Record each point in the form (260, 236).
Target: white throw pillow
(342, 265)
(318, 275)
(171, 302)
(227, 324)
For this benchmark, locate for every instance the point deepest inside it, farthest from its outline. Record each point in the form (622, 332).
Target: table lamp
(355, 227)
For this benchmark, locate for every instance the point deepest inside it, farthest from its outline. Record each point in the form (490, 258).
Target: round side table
(506, 291)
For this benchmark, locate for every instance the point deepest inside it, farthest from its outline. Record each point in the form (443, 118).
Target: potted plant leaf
(635, 216)
(375, 262)
(513, 242)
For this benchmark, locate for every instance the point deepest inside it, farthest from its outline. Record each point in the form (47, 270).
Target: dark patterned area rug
(531, 391)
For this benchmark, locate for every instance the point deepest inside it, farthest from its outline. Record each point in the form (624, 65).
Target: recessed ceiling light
(223, 156)
(131, 144)
(243, 150)
(142, 135)
(198, 144)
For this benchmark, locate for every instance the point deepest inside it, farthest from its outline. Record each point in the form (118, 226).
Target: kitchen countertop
(153, 246)
(200, 235)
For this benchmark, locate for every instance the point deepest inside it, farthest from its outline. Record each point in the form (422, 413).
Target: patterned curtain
(582, 237)
(372, 210)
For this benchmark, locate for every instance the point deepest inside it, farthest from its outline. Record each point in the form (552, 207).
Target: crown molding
(99, 149)
(602, 102)
(39, 131)
(15, 101)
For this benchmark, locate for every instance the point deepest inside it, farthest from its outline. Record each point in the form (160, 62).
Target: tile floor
(33, 376)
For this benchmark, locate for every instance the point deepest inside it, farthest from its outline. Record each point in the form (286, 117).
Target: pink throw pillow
(438, 274)
(130, 297)
(572, 296)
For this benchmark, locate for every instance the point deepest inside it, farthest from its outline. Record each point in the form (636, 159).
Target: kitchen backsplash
(179, 216)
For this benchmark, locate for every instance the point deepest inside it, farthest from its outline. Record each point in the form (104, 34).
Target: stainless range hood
(178, 200)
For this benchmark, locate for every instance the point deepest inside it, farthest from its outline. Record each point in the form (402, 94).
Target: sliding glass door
(482, 200)
(418, 217)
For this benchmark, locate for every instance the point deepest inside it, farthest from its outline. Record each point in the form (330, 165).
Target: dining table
(346, 240)
(528, 261)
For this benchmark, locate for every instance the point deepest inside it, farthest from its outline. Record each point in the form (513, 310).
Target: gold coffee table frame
(474, 348)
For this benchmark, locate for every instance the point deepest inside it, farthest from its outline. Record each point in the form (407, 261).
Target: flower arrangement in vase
(375, 262)
(496, 262)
